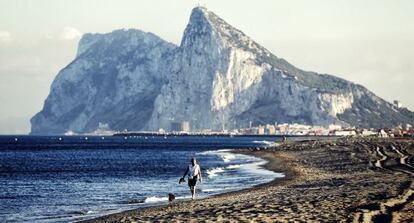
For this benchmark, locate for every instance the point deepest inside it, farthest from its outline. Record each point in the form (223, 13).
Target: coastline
(333, 180)
(273, 163)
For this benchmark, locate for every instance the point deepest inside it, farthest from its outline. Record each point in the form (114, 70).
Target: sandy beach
(344, 180)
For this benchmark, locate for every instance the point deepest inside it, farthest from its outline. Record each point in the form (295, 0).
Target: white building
(397, 104)
(344, 133)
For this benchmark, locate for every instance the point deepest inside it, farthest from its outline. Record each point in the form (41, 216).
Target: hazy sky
(367, 42)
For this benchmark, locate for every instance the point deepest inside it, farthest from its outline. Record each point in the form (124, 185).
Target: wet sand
(345, 180)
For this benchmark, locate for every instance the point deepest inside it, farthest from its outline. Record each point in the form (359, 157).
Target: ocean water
(64, 179)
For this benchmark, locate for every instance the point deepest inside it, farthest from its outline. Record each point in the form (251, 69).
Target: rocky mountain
(217, 78)
(114, 79)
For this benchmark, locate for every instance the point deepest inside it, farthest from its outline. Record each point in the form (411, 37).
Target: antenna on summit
(199, 4)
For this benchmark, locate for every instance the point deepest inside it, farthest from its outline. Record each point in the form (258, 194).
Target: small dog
(171, 197)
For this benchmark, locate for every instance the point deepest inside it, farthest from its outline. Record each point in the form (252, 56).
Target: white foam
(213, 152)
(245, 166)
(227, 157)
(224, 150)
(155, 199)
(205, 152)
(213, 172)
(267, 143)
(224, 154)
(235, 166)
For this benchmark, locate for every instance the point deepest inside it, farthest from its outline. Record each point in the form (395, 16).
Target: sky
(367, 42)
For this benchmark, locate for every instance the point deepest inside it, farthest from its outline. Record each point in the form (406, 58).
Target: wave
(80, 212)
(267, 143)
(213, 172)
(155, 199)
(235, 166)
(213, 152)
(224, 154)
(227, 157)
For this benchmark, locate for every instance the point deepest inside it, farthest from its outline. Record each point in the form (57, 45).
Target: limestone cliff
(217, 78)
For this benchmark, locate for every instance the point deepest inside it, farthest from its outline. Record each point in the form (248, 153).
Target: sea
(73, 178)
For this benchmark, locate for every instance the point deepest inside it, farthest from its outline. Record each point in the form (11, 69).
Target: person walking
(194, 173)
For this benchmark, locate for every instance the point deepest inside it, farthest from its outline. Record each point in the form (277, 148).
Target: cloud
(70, 33)
(5, 36)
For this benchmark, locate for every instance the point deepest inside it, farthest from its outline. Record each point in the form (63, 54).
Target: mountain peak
(204, 22)
(199, 12)
(198, 26)
(201, 15)
(218, 78)
(201, 9)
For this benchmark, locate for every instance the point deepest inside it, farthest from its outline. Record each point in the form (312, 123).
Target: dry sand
(346, 180)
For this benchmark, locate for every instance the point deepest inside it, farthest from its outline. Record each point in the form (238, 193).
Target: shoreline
(359, 180)
(273, 163)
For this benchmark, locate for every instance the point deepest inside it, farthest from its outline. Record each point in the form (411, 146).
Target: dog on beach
(171, 197)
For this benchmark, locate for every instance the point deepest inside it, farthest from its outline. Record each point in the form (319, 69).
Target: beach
(343, 180)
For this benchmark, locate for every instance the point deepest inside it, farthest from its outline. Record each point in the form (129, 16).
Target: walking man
(193, 171)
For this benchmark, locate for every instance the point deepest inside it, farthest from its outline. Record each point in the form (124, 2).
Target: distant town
(282, 129)
(275, 129)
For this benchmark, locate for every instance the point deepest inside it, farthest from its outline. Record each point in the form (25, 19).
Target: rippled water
(52, 179)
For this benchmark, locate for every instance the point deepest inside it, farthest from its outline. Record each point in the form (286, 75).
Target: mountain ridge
(217, 77)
